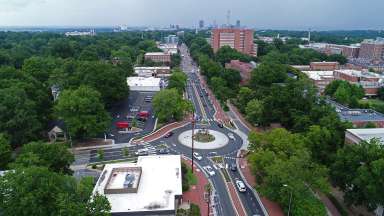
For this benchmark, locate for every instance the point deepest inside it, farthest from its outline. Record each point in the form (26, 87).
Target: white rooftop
(160, 182)
(368, 133)
(319, 75)
(358, 73)
(156, 53)
(153, 68)
(143, 81)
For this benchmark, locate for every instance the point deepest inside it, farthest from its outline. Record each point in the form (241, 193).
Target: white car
(241, 186)
(231, 136)
(197, 156)
(209, 170)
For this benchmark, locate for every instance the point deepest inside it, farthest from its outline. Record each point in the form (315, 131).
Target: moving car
(212, 154)
(143, 115)
(164, 151)
(220, 125)
(209, 170)
(233, 167)
(241, 186)
(231, 136)
(142, 152)
(169, 134)
(197, 156)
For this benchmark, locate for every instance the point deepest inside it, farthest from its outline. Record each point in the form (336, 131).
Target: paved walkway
(196, 192)
(273, 208)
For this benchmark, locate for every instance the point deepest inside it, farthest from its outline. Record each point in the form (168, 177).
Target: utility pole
(193, 133)
(290, 198)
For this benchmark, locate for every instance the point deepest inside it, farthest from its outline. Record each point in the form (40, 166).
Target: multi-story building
(372, 49)
(371, 82)
(320, 78)
(244, 68)
(201, 24)
(153, 71)
(168, 48)
(324, 66)
(347, 51)
(239, 39)
(171, 39)
(158, 57)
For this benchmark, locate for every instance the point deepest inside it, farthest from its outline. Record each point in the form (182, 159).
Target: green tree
(55, 156)
(178, 80)
(268, 73)
(18, 115)
(254, 111)
(244, 95)
(38, 191)
(5, 152)
(82, 112)
(358, 171)
(169, 105)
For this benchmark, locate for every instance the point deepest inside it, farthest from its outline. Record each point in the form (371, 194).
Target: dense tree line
(32, 63)
(345, 93)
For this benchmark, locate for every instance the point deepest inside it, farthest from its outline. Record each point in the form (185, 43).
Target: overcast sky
(275, 14)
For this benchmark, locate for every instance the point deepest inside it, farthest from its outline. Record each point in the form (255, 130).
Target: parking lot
(128, 111)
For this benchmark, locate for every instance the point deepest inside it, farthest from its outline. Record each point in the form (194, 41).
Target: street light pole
(193, 132)
(290, 199)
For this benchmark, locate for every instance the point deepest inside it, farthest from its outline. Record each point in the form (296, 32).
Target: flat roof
(318, 75)
(160, 182)
(156, 53)
(143, 81)
(368, 133)
(153, 68)
(359, 73)
(356, 115)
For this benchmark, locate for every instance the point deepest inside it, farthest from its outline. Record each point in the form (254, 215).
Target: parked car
(220, 125)
(212, 154)
(169, 134)
(197, 156)
(209, 170)
(241, 186)
(233, 167)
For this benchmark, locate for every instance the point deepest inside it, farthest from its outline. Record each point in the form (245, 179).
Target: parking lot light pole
(290, 198)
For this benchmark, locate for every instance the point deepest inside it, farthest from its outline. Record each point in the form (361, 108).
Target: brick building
(324, 66)
(320, 78)
(244, 68)
(158, 57)
(371, 82)
(372, 49)
(239, 39)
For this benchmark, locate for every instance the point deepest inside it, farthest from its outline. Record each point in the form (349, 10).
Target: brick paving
(329, 205)
(273, 208)
(196, 192)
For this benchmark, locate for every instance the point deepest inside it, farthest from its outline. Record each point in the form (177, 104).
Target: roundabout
(207, 139)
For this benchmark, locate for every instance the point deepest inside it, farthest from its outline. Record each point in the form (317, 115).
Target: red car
(169, 134)
(122, 125)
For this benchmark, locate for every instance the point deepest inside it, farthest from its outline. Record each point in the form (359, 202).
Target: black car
(220, 125)
(233, 167)
(169, 134)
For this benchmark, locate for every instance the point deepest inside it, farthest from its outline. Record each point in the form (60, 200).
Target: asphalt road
(204, 111)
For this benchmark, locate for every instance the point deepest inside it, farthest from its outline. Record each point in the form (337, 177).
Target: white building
(144, 83)
(168, 48)
(153, 71)
(77, 33)
(152, 186)
(366, 134)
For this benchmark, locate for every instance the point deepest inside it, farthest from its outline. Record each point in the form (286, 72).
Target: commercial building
(372, 49)
(152, 186)
(320, 78)
(244, 68)
(324, 66)
(144, 83)
(158, 57)
(358, 117)
(239, 39)
(371, 82)
(83, 33)
(153, 71)
(201, 24)
(168, 48)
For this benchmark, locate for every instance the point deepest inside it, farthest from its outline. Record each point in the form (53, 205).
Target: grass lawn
(192, 179)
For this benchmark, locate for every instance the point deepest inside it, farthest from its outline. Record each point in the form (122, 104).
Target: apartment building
(239, 39)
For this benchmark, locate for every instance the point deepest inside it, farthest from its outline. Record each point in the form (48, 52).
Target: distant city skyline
(262, 14)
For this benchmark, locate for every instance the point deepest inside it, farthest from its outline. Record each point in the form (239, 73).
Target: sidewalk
(273, 208)
(196, 192)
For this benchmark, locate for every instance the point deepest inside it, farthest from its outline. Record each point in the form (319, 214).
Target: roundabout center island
(204, 139)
